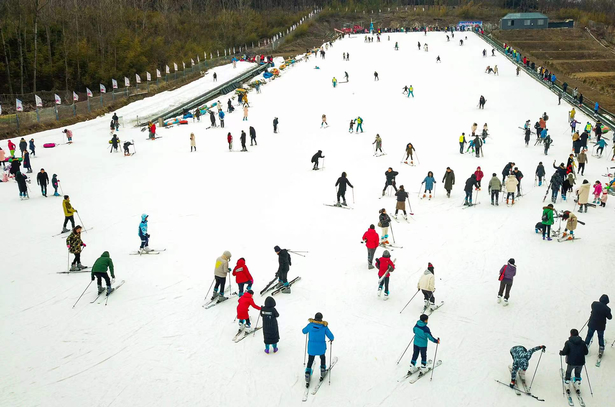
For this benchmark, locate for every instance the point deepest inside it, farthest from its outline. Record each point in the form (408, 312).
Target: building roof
(511, 16)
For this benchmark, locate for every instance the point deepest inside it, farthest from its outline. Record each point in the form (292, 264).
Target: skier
(409, 149)
(597, 322)
(507, 274)
(143, 235)
(212, 118)
(411, 91)
(21, 184)
(555, 183)
(317, 330)
(527, 136)
(315, 158)
(370, 238)
(401, 195)
(69, 211)
(127, 145)
(485, 133)
(220, 271)
(479, 176)
(462, 142)
(42, 179)
(481, 102)
(547, 221)
(429, 182)
(26, 162)
(359, 122)
(229, 106)
(284, 263)
(390, 180)
(421, 334)
(427, 285)
(114, 143)
(378, 143)
(519, 176)
(192, 143)
(341, 191)
(521, 359)
(346, 76)
(582, 160)
(253, 136)
(324, 121)
(221, 117)
(23, 146)
(469, 187)
(575, 351)
(11, 148)
(495, 186)
(540, 173)
(597, 192)
(583, 195)
(75, 245)
(385, 268)
(32, 147)
(270, 315)
(448, 180)
(383, 222)
(197, 115)
(243, 308)
(243, 141)
(275, 125)
(54, 183)
(507, 171)
(229, 140)
(600, 144)
(245, 112)
(99, 272)
(351, 127)
(242, 276)
(376, 78)
(571, 224)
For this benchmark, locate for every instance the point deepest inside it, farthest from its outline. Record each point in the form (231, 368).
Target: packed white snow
(154, 344)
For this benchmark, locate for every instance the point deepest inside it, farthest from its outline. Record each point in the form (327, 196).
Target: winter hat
(386, 254)
(512, 261)
(277, 249)
(550, 206)
(66, 196)
(494, 174)
(318, 316)
(423, 318)
(429, 266)
(227, 254)
(372, 226)
(585, 181)
(574, 332)
(478, 168)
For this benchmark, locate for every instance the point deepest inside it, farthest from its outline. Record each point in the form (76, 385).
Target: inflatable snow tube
(188, 116)
(183, 122)
(605, 129)
(267, 75)
(49, 145)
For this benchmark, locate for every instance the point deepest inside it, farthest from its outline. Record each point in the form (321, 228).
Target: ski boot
(74, 267)
(395, 217)
(576, 383)
(248, 329)
(512, 202)
(267, 350)
(424, 369)
(109, 290)
(429, 196)
(413, 369)
(424, 195)
(308, 376)
(492, 203)
(379, 291)
(506, 201)
(564, 235)
(214, 296)
(600, 351)
(386, 295)
(499, 299)
(338, 204)
(505, 302)
(411, 162)
(81, 267)
(344, 203)
(275, 349)
(286, 290)
(100, 289)
(497, 203)
(323, 372)
(405, 217)
(64, 230)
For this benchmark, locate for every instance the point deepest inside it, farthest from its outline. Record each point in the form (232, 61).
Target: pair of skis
(290, 283)
(242, 334)
(569, 392)
(106, 295)
(320, 382)
(431, 310)
(65, 233)
(519, 391)
(153, 251)
(339, 206)
(414, 377)
(83, 270)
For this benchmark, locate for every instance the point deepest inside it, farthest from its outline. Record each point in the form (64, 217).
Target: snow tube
(183, 122)
(49, 145)
(605, 129)
(188, 116)
(267, 75)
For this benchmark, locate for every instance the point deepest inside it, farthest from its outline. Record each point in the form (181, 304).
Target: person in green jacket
(99, 271)
(495, 186)
(547, 221)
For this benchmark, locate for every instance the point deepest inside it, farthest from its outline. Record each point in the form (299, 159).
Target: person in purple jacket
(507, 273)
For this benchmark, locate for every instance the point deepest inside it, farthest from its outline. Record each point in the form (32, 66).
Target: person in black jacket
(341, 191)
(253, 136)
(519, 175)
(471, 183)
(384, 221)
(21, 183)
(212, 118)
(115, 142)
(275, 125)
(23, 146)
(284, 264)
(243, 141)
(42, 179)
(561, 170)
(401, 195)
(477, 145)
(507, 171)
(597, 322)
(270, 315)
(390, 174)
(583, 137)
(15, 166)
(540, 173)
(314, 161)
(575, 351)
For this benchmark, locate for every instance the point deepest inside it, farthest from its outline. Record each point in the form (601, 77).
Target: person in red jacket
(385, 268)
(245, 301)
(479, 175)
(371, 240)
(229, 138)
(242, 275)
(12, 148)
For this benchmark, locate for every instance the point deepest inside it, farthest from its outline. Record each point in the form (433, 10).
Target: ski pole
(68, 260)
(612, 344)
(211, 285)
(352, 196)
(256, 325)
(561, 365)
(82, 224)
(584, 325)
(305, 352)
(323, 163)
(535, 370)
(410, 207)
(435, 360)
(230, 284)
(417, 157)
(405, 350)
(392, 234)
(86, 288)
(588, 382)
(408, 303)
(331, 359)
(60, 185)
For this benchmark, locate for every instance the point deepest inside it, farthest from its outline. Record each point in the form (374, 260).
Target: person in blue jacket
(601, 144)
(144, 235)
(318, 331)
(221, 117)
(521, 361)
(421, 335)
(429, 182)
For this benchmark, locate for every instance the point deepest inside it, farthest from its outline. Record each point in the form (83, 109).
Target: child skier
(383, 222)
(479, 176)
(511, 186)
(270, 316)
(75, 245)
(429, 182)
(401, 196)
(114, 143)
(605, 195)
(370, 238)
(409, 150)
(242, 275)
(390, 180)
(427, 285)
(284, 263)
(597, 192)
(99, 272)
(421, 334)
(540, 173)
(351, 128)
(575, 351)
(54, 183)
(32, 147)
(143, 235)
(69, 212)
(571, 224)
(220, 271)
(127, 145)
(317, 331)
(385, 268)
(243, 316)
(521, 359)
(324, 121)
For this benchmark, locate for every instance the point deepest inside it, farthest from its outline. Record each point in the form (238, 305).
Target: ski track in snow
(154, 345)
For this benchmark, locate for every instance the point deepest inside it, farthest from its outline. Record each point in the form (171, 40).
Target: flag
(192, 61)
(58, 99)
(168, 69)
(102, 88)
(114, 82)
(126, 82)
(19, 105)
(149, 76)
(75, 96)
(158, 73)
(39, 101)
(137, 78)
(175, 66)
(89, 92)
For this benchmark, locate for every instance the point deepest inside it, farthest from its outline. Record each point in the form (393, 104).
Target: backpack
(545, 217)
(378, 263)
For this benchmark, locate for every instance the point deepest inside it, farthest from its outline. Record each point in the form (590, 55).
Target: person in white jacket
(427, 284)
(511, 186)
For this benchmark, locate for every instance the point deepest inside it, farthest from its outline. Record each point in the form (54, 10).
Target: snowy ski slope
(154, 345)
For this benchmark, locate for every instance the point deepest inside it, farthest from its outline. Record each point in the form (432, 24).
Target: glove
(147, 235)
(112, 280)
(561, 353)
(92, 278)
(544, 348)
(229, 270)
(68, 246)
(438, 340)
(83, 244)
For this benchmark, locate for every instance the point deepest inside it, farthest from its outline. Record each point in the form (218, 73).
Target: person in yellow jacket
(462, 142)
(220, 273)
(427, 285)
(69, 211)
(572, 114)
(334, 82)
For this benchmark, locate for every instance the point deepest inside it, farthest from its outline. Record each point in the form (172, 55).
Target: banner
(19, 105)
(470, 23)
(168, 70)
(126, 82)
(89, 92)
(149, 76)
(58, 99)
(175, 66)
(102, 88)
(75, 96)
(158, 73)
(137, 78)
(114, 83)
(38, 100)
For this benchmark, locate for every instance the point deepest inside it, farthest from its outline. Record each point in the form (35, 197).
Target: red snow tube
(49, 145)
(183, 122)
